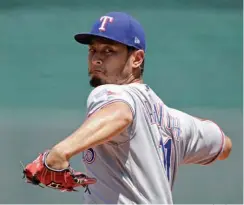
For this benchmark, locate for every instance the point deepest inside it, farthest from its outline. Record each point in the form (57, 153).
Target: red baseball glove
(38, 173)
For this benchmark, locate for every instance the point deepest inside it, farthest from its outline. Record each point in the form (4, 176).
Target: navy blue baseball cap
(116, 26)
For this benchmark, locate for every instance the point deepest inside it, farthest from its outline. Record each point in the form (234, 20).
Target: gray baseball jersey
(139, 166)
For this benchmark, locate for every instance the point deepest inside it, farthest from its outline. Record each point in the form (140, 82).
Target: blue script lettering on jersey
(173, 125)
(155, 113)
(156, 116)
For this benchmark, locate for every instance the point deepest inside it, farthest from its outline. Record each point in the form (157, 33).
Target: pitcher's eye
(91, 50)
(108, 50)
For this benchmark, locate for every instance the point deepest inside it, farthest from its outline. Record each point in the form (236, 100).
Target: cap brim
(86, 38)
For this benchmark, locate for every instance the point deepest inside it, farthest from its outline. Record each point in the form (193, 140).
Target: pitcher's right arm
(201, 141)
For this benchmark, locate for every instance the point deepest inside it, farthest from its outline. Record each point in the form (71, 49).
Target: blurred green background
(194, 63)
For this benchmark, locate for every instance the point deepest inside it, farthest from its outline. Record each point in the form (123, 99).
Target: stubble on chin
(95, 82)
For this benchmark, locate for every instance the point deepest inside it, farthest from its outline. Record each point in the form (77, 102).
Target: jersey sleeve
(107, 94)
(203, 141)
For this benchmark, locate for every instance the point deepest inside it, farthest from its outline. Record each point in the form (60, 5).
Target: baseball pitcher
(132, 142)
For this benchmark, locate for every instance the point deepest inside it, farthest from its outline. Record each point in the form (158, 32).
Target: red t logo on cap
(105, 20)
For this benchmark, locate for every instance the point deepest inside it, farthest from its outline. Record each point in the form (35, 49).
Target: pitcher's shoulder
(105, 89)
